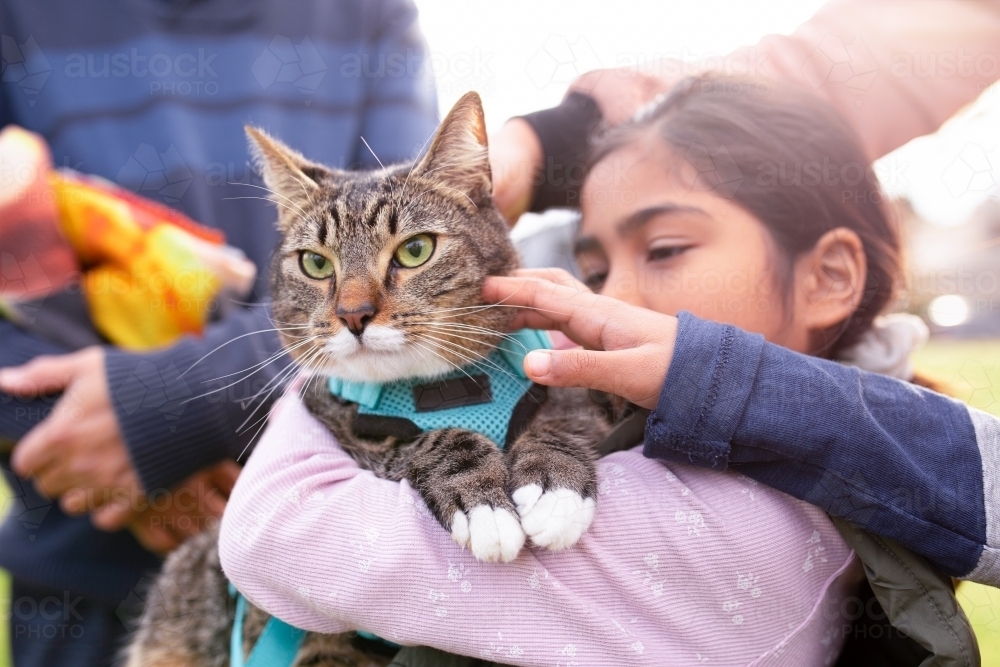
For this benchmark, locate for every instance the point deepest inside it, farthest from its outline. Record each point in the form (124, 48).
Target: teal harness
(491, 396)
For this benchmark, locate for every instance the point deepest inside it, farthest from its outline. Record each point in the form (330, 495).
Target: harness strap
(277, 645)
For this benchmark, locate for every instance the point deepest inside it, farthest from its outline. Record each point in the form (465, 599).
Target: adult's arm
(893, 458)
(678, 562)
(895, 70)
(199, 401)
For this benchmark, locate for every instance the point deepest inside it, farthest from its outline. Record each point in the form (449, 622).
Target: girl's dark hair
(787, 158)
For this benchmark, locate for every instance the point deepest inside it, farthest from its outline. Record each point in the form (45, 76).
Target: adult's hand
(626, 349)
(77, 453)
(516, 153)
(167, 520)
(621, 91)
(515, 159)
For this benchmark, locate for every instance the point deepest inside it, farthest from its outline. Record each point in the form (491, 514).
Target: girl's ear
(292, 178)
(458, 156)
(830, 280)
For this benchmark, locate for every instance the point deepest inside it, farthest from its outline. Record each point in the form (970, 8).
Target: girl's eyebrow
(640, 218)
(585, 244)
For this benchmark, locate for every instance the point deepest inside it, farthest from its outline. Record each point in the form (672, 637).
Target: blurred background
(521, 55)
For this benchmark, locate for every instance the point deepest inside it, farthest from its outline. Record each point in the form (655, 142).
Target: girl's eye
(665, 252)
(315, 265)
(415, 251)
(595, 281)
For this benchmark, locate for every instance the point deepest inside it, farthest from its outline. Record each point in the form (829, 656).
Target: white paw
(554, 519)
(493, 534)
(460, 529)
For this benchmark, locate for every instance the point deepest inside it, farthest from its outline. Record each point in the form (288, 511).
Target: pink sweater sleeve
(681, 565)
(895, 69)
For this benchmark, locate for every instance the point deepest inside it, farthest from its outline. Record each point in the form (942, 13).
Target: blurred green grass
(971, 370)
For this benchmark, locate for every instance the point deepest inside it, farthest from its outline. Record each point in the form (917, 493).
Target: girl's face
(654, 236)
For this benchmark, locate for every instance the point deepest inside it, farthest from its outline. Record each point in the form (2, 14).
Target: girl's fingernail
(538, 363)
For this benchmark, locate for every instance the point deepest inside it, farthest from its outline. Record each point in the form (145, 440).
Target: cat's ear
(284, 170)
(458, 157)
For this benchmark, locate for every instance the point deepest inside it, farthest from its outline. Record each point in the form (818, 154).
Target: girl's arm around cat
(675, 560)
(893, 458)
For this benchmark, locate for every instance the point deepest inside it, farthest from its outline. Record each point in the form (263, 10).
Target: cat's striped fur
(374, 320)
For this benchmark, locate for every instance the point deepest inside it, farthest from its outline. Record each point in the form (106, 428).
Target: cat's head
(378, 274)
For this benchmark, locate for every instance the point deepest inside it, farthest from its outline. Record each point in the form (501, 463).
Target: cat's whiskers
(412, 166)
(272, 358)
(453, 334)
(285, 373)
(304, 217)
(278, 381)
(251, 333)
(414, 201)
(496, 305)
(436, 186)
(310, 369)
(384, 170)
(471, 329)
(276, 194)
(457, 349)
(262, 365)
(441, 356)
(293, 360)
(475, 363)
(468, 325)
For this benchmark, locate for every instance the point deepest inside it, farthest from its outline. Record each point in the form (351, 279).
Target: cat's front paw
(491, 533)
(554, 519)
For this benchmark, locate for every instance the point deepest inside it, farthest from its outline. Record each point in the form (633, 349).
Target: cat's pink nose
(357, 318)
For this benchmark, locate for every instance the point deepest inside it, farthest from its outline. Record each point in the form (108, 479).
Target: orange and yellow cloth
(148, 273)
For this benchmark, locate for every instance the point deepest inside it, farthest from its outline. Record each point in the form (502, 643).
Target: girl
(740, 203)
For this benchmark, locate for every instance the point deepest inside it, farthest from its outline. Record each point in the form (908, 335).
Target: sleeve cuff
(169, 430)
(705, 395)
(564, 133)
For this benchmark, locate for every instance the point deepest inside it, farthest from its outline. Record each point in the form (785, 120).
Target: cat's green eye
(415, 251)
(315, 265)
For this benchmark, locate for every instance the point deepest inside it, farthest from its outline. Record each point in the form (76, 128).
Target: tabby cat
(378, 279)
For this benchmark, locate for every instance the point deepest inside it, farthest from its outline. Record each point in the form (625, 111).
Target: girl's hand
(627, 349)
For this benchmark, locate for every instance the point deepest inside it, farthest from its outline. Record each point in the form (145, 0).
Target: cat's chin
(383, 355)
(383, 367)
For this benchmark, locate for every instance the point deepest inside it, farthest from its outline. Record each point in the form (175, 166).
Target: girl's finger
(552, 274)
(580, 314)
(635, 374)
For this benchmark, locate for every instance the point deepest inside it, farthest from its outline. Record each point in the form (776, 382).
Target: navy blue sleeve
(18, 415)
(891, 457)
(199, 401)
